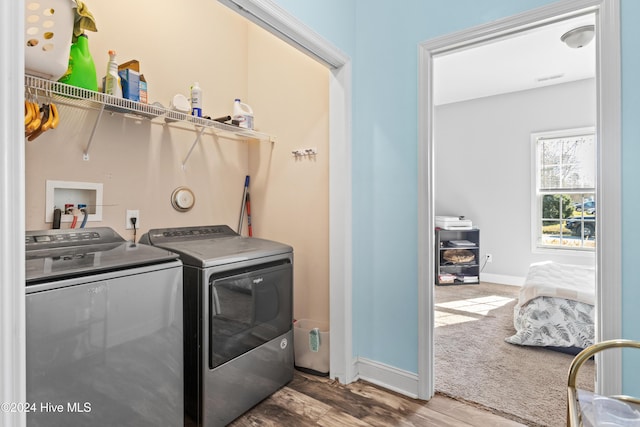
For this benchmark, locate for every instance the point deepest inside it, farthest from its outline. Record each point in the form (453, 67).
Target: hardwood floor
(316, 401)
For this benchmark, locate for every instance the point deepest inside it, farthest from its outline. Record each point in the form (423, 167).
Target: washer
(104, 333)
(238, 308)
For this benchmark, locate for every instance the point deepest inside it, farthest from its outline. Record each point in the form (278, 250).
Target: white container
(196, 100)
(179, 103)
(311, 344)
(243, 114)
(112, 79)
(48, 29)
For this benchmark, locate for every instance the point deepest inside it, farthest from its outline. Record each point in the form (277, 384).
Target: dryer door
(248, 308)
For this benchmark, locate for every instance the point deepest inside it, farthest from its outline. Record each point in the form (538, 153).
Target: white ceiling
(530, 59)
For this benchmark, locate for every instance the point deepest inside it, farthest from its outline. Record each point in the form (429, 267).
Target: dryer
(104, 331)
(238, 319)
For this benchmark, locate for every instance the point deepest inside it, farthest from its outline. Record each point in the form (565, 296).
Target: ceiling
(526, 60)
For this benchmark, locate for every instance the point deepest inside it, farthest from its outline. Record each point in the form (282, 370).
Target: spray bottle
(196, 100)
(112, 79)
(82, 70)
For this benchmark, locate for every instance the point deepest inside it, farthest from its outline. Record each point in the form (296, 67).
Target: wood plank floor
(316, 401)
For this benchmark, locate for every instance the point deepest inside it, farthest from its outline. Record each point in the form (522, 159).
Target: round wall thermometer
(182, 199)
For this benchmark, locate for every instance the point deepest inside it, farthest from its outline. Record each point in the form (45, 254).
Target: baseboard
(399, 380)
(502, 279)
(386, 376)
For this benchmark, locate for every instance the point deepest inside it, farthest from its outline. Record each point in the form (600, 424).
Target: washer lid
(210, 246)
(61, 254)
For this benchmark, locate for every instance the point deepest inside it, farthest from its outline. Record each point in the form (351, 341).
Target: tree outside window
(565, 165)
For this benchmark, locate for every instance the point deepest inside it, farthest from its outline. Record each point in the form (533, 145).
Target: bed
(556, 307)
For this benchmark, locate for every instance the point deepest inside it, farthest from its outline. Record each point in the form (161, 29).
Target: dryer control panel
(165, 235)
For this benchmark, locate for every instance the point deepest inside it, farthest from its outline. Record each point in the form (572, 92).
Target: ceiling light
(579, 37)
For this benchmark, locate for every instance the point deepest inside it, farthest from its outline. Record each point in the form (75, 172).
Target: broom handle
(249, 228)
(242, 205)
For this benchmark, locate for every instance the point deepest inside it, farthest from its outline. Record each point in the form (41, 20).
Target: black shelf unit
(461, 272)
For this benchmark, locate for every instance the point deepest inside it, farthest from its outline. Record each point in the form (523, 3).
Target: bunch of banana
(39, 119)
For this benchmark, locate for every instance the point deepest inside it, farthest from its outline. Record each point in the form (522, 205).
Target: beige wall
(139, 162)
(292, 194)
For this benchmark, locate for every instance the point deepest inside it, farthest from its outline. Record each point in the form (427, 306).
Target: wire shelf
(84, 98)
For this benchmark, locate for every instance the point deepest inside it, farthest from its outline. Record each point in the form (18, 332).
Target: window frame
(536, 199)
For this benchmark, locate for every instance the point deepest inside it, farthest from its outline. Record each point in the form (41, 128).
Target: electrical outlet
(131, 213)
(489, 258)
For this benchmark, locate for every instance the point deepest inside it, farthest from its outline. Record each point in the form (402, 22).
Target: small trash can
(311, 342)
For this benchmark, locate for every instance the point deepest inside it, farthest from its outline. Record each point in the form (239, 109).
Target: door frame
(285, 26)
(608, 126)
(12, 215)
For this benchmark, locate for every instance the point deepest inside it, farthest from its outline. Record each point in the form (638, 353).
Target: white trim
(609, 198)
(386, 376)
(12, 215)
(340, 233)
(426, 238)
(609, 133)
(277, 21)
(280, 23)
(502, 279)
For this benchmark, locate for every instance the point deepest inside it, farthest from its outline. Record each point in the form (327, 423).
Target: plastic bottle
(112, 79)
(243, 114)
(196, 100)
(81, 71)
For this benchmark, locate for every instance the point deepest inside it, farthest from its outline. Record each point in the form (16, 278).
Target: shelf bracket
(184, 162)
(85, 154)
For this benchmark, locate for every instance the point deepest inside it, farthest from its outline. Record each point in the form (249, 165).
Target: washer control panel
(44, 239)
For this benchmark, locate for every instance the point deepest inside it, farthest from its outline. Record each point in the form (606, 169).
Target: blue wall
(382, 38)
(630, 11)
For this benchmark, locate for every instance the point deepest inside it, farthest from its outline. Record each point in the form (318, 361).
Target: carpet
(474, 364)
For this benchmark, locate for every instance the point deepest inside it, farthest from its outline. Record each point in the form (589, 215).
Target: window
(565, 177)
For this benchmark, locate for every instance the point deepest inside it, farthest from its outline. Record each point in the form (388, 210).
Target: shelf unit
(469, 270)
(38, 89)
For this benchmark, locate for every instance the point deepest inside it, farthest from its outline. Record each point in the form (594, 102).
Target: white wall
(483, 166)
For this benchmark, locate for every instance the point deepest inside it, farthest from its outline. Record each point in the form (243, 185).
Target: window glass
(565, 191)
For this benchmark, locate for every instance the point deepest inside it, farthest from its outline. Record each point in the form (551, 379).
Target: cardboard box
(134, 64)
(130, 80)
(143, 90)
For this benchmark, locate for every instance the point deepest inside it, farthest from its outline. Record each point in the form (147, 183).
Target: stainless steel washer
(104, 331)
(238, 308)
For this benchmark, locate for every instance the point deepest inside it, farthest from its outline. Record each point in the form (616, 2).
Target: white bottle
(112, 79)
(243, 114)
(196, 100)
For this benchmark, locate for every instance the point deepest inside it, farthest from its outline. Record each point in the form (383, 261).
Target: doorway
(504, 91)
(608, 133)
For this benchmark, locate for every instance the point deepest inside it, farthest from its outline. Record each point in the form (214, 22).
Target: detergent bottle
(196, 100)
(112, 79)
(243, 114)
(81, 71)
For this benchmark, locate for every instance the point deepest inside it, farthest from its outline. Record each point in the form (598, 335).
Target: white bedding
(555, 307)
(551, 279)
